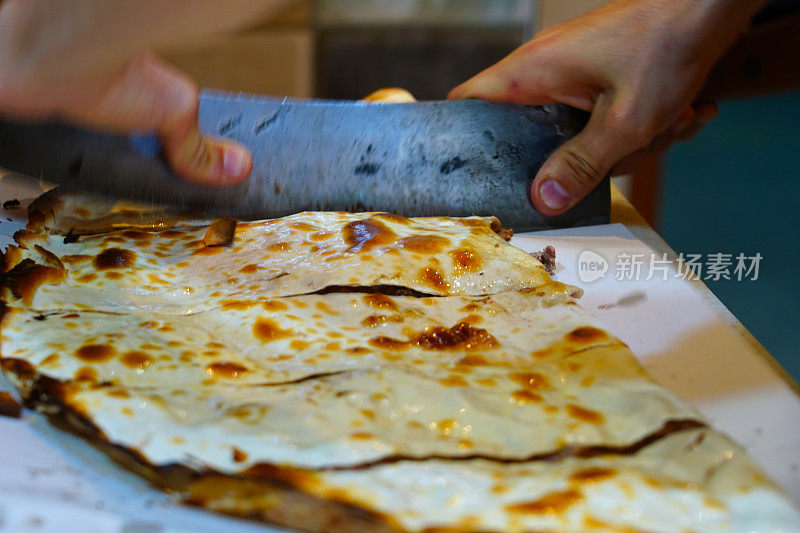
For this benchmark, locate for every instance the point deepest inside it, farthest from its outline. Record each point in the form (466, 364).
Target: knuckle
(631, 127)
(583, 171)
(201, 157)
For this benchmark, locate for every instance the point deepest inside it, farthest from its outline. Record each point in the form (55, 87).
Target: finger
(152, 95)
(527, 77)
(390, 95)
(581, 163)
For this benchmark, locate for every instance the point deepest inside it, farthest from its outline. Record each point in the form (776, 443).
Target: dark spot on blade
(367, 168)
(259, 129)
(452, 165)
(229, 126)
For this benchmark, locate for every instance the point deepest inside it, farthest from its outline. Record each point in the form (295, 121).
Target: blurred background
(735, 188)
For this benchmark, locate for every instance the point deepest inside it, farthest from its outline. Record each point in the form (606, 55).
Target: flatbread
(524, 379)
(61, 213)
(352, 394)
(176, 271)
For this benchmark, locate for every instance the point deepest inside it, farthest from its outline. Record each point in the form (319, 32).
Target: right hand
(636, 65)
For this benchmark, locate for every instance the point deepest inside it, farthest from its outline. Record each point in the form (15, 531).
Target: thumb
(580, 164)
(152, 95)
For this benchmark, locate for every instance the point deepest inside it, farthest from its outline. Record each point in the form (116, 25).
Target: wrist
(721, 22)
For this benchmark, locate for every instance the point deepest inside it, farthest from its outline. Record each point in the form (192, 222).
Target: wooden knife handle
(765, 60)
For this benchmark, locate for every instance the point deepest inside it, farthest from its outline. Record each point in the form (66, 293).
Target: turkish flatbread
(362, 372)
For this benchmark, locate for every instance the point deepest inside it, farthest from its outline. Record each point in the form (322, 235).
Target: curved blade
(423, 159)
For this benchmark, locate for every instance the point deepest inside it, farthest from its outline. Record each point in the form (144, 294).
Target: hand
(636, 65)
(88, 62)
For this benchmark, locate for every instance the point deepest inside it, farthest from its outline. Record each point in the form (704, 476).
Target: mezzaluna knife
(456, 158)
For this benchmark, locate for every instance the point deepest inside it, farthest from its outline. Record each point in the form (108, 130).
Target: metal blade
(455, 158)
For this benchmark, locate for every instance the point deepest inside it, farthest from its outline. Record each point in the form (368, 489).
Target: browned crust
(10, 258)
(27, 276)
(271, 496)
(41, 209)
(264, 491)
(282, 505)
(9, 407)
(220, 232)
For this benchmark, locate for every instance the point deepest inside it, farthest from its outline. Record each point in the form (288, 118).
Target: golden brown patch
(239, 305)
(380, 301)
(208, 250)
(297, 344)
(392, 217)
(388, 343)
(532, 380)
(361, 436)
(592, 475)
(373, 321)
(113, 258)
(453, 381)
(460, 336)
(50, 359)
(465, 260)
(137, 235)
(279, 247)
(85, 373)
(554, 503)
(583, 414)
(95, 353)
(136, 360)
(424, 244)
(239, 456)
(325, 308)
(473, 319)
(433, 277)
(470, 307)
(364, 235)
(274, 305)
(524, 396)
(226, 370)
(220, 232)
(585, 335)
(472, 360)
(267, 330)
(248, 269)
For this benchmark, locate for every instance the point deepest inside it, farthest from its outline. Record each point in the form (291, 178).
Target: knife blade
(441, 158)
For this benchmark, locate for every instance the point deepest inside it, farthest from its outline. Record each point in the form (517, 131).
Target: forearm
(46, 42)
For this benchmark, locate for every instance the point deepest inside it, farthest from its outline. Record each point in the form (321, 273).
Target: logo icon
(591, 266)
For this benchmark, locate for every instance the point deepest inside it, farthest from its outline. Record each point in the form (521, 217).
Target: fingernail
(553, 195)
(234, 161)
